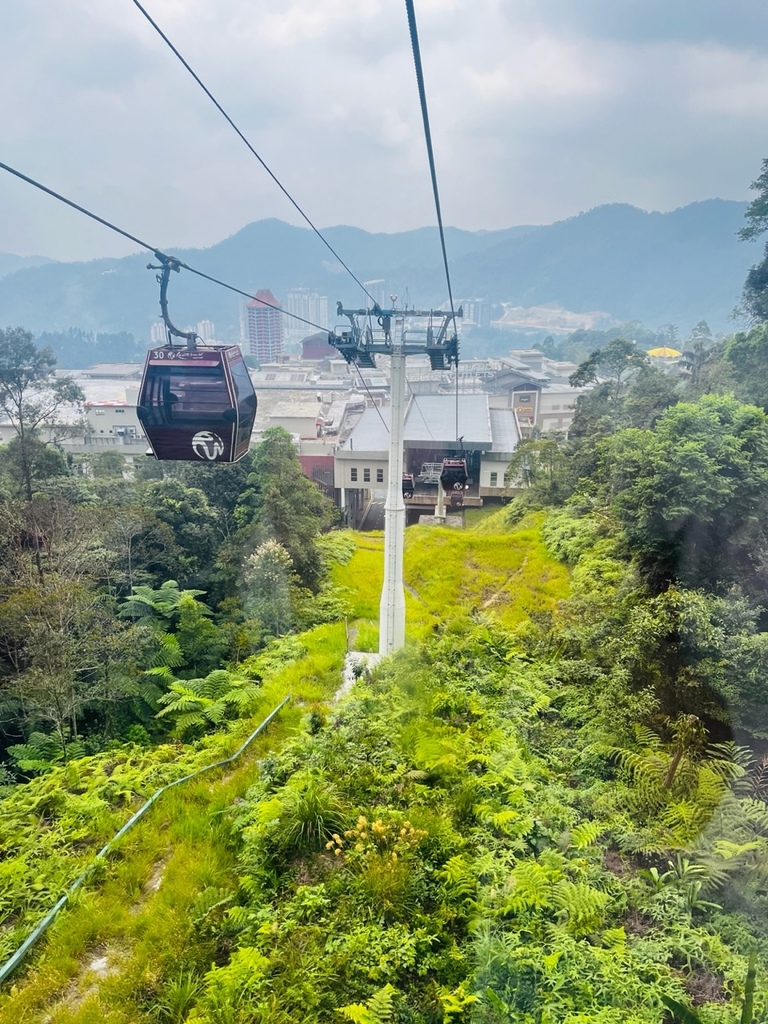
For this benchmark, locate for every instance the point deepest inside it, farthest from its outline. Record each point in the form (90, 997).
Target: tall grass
(150, 911)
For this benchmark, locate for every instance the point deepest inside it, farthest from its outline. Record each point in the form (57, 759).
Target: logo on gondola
(207, 445)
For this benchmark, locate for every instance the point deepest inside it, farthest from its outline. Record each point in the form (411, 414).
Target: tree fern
(197, 704)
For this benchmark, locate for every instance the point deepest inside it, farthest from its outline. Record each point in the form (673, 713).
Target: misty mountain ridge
(10, 263)
(677, 267)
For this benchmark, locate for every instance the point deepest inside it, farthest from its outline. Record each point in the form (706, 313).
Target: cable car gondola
(408, 486)
(194, 402)
(453, 480)
(197, 403)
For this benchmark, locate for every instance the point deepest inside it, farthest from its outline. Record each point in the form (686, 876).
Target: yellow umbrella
(664, 353)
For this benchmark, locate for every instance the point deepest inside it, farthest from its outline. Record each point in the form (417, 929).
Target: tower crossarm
(360, 343)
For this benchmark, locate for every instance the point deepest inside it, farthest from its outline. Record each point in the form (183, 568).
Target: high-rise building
(206, 331)
(265, 327)
(158, 334)
(378, 290)
(309, 306)
(477, 313)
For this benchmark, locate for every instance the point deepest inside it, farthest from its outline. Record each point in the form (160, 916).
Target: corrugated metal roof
(369, 434)
(431, 419)
(504, 430)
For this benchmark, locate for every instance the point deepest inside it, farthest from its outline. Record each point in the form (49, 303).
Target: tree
(540, 466)
(757, 212)
(198, 704)
(269, 576)
(754, 297)
(630, 392)
(696, 352)
(747, 356)
(107, 465)
(31, 396)
(280, 503)
(579, 345)
(134, 538)
(27, 460)
(180, 625)
(70, 652)
(157, 608)
(614, 366)
(691, 492)
(193, 538)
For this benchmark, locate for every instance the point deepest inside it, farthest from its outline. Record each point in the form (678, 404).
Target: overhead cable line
(373, 400)
(416, 403)
(229, 120)
(431, 156)
(158, 253)
(428, 139)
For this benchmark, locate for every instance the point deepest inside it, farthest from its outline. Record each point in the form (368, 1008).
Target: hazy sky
(539, 108)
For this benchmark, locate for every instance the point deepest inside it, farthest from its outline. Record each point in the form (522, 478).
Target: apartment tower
(265, 327)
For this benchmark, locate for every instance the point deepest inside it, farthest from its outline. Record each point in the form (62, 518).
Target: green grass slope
(491, 568)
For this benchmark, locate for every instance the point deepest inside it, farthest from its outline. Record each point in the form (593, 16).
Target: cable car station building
(489, 437)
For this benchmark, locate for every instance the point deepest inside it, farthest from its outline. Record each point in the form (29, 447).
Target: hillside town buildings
(338, 417)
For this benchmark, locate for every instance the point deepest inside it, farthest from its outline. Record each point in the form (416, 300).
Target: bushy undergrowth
(439, 852)
(504, 824)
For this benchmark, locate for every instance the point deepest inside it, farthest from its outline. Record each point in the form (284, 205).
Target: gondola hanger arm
(167, 264)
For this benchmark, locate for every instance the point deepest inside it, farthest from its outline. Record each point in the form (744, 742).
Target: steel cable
(232, 124)
(158, 253)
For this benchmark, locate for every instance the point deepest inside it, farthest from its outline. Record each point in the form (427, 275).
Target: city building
(310, 306)
(488, 439)
(266, 330)
(377, 290)
(316, 347)
(477, 313)
(206, 331)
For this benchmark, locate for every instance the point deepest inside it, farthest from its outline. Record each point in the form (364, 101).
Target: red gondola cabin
(197, 404)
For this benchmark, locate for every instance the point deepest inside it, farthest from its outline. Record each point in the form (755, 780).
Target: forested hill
(9, 263)
(678, 267)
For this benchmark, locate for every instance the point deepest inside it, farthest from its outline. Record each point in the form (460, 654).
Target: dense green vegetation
(118, 592)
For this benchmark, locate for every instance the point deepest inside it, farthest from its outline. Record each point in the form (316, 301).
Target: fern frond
(168, 651)
(187, 723)
(582, 906)
(378, 1010)
(586, 834)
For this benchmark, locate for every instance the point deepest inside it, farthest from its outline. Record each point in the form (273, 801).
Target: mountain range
(678, 267)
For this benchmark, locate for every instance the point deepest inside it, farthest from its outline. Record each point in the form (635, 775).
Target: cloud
(539, 109)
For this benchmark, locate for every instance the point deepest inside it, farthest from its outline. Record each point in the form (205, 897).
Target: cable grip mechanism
(167, 264)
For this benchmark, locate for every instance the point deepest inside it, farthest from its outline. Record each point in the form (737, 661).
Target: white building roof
(431, 421)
